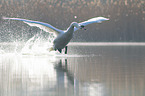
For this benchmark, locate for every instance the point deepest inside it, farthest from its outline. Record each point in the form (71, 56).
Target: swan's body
(62, 37)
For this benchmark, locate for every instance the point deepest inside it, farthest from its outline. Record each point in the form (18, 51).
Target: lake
(87, 70)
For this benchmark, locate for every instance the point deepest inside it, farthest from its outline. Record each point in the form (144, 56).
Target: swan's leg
(65, 49)
(60, 50)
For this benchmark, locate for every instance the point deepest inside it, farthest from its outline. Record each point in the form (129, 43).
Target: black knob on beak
(83, 27)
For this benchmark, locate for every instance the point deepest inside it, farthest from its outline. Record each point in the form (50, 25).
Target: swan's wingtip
(107, 18)
(99, 19)
(4, 17)
(103, 18)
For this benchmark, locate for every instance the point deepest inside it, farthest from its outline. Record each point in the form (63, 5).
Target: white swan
(63, 37)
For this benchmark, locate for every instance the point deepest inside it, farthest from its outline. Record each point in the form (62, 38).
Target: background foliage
(127, 19)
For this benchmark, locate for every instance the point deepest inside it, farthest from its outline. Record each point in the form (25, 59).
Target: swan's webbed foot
(51, 49)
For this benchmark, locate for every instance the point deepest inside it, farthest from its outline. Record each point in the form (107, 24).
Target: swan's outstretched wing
(44, 26)
(90, 21)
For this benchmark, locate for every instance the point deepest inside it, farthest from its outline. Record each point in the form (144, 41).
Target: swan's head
(75, 24)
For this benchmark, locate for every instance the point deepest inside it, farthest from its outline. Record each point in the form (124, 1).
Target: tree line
(126, 24)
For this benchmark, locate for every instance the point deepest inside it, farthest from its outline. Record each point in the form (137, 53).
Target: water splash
(2, 51)
(38, 46)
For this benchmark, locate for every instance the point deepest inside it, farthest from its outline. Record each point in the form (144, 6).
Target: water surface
(85, 71)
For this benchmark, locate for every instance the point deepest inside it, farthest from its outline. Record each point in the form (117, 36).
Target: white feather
(46, 29)
(44, 26)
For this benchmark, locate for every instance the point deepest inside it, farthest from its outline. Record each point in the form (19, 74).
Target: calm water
(85, 71)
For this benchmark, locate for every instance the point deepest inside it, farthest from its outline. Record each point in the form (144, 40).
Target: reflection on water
(85, 71)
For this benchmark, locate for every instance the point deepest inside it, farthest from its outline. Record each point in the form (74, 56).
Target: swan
(63, 37)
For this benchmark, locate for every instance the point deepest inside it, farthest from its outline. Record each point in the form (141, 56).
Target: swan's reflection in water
(41, 76)
(71, 84)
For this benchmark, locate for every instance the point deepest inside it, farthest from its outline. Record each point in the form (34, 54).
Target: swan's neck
(71, 27)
